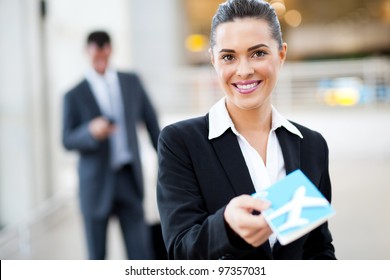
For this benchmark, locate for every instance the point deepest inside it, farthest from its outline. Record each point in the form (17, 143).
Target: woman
(209, 166)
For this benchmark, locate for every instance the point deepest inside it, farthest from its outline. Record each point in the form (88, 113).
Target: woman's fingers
(252, 228)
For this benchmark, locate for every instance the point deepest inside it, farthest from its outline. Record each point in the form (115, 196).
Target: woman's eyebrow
(227, 50)
(257, 46)
(249, 49)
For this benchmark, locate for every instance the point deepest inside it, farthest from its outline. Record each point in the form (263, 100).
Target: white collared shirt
(99, 84)
(263, 175)
(108, 94)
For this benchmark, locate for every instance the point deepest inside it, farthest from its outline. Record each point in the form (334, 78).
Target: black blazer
(96, 177)
(198, 177)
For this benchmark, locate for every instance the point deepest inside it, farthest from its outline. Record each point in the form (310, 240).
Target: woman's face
(247, 61)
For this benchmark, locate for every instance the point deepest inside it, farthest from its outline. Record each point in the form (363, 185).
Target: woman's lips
(247, 86)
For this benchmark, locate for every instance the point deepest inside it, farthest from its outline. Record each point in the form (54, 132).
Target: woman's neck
(258, 119)
(254, 125)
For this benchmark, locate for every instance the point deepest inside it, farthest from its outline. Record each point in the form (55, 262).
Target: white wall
(22, 153)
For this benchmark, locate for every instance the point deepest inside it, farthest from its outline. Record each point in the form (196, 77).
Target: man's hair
(100, 38)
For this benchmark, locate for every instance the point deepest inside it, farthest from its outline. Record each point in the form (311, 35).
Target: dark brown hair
(100, 38)
(238, 9)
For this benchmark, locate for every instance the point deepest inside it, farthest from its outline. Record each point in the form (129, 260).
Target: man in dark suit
(100, 116)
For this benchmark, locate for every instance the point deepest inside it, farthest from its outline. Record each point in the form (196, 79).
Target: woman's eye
(227, 57)
(259, 53)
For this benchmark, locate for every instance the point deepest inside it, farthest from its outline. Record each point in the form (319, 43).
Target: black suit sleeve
(319, 242)
(75, 132)
(149, 116)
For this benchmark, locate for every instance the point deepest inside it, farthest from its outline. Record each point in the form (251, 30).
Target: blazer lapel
(291, 147)
(89, 99)
(128, 102)
(125, 89)
(229, 153)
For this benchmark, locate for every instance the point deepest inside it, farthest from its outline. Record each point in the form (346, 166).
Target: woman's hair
(239, 9)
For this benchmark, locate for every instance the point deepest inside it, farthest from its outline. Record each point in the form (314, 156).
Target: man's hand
(101, 128)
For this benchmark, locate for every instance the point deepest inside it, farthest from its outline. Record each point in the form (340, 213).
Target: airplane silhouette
(294, 209)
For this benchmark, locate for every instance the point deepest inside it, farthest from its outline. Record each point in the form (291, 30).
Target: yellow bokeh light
(342, 97)
(196, 42)
(293, 18)
(279, 8)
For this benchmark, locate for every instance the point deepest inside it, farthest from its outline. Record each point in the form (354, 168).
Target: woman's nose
(244, 68)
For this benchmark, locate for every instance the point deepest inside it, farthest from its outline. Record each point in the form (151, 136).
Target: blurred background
(336, 80)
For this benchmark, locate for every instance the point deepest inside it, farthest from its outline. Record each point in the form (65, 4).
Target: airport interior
(336, 80)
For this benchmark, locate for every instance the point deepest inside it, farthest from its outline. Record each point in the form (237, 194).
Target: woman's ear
(211, 56)
(283, 53)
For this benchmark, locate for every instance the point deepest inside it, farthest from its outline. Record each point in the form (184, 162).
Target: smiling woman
(209, 166)
(247, 60)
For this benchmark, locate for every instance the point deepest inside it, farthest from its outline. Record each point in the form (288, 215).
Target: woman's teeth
(248, 86)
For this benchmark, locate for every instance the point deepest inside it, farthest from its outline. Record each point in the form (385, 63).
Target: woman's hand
(252, 228)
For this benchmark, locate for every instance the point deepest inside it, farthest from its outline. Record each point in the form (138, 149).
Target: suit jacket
(96, 177)
(198, 177)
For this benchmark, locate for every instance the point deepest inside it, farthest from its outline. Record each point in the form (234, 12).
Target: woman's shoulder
(312, 139)
(188, 128)
(306, 131)
(190, 124)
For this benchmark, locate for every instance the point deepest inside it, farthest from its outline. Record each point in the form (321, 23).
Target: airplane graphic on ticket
(297, 207)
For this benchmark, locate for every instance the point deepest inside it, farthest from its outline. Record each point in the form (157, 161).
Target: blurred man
(99, 121)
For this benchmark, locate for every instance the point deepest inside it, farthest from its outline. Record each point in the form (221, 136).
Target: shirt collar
(220, 121)
(92, 75)
(278, 121)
